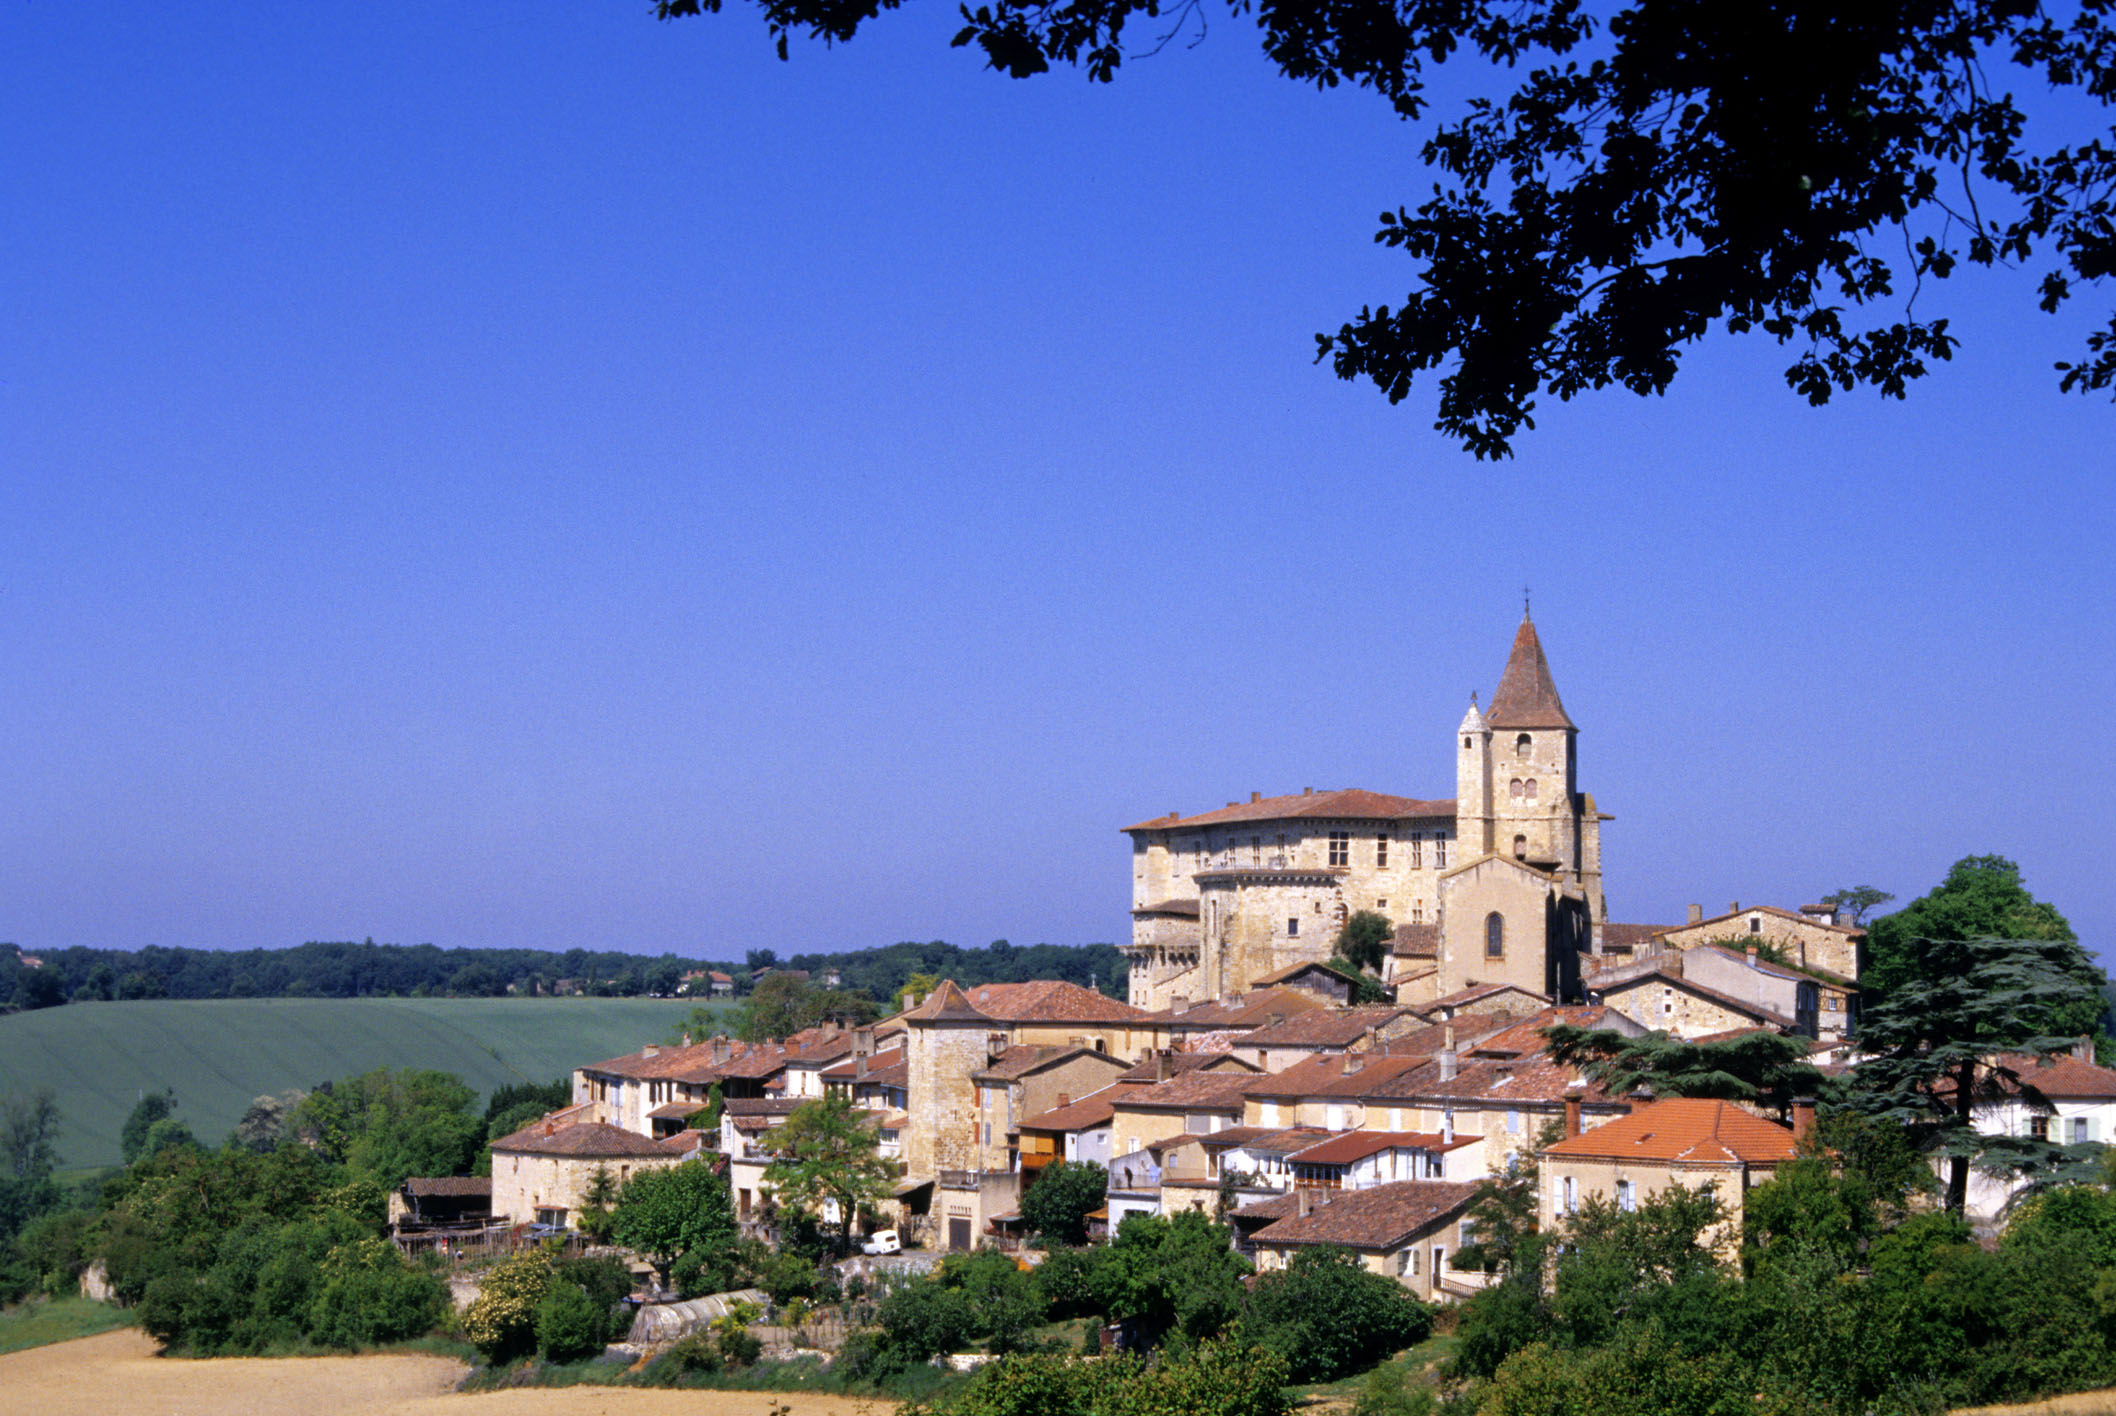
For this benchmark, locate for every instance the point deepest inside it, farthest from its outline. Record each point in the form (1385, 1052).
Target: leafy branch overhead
(1657, 173)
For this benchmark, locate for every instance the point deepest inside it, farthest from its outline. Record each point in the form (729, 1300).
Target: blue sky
(531, 475)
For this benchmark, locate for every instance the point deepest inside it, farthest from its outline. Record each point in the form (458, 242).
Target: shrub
(569, 1323)
(501, 1323)
(924, 1319)
(1328, 1317)
(370, 1295)
(1067, 1278)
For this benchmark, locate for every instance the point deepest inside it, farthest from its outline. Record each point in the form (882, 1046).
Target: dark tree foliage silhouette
(1636, 176)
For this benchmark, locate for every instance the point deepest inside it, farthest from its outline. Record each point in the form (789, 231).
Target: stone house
(1660, 996)
(541, 1173)
(1811, 937)
(1326, 981)
(2072, 1101)
(1076, 1131)
(1026, 1081)
(1503, 1102)
(1262, 1007)
(1260, 1156)
(1404, 1230)
(1193, 1103)
(1484, 1000)
(1509, 869)
(1681, 1141)
(625, 1091)
(1325, 1091)
(1276, 1046)
(1822, 1005)
(1359, 1160)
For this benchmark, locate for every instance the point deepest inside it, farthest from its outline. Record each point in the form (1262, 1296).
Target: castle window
(1292, 926)
(1521, 745)
(1417, 849)
(1381, 850)
(1528, 789)
(1256, 850)
(1340, 848)
(1381, 904)
(1465, 742)
(1417, 914)
(1520, 848)
(1513, 789)
(1439, 852)
(1755, 924)
(1494, 936)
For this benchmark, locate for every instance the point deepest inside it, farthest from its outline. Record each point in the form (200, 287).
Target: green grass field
(46, 1320)
(218, 1054)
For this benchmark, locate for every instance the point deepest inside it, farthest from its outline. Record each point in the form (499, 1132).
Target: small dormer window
(1522, 744)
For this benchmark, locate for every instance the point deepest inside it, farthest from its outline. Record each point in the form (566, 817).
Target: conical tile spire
(1526, 697)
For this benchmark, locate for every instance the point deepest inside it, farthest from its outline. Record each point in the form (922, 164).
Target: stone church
(1502, 884)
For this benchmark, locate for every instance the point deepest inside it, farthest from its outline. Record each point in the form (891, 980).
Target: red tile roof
(1478, 991)
(1526, 1036)
(1348, 1146)
(1416, 941)
(1188, 909)
(1324, 1027)
(1018, 1062)
(888, 1069)
(2065, 1078)
(1350, 804)
(1265, 1140)
(582, 1138)
(1630, 936)
(1094, 1109)
(1530, 1080)
(1050, 1000)
(1181, 1062)
(1326, 1076)
(1293, 971)
(1526, 697)
(1684, 1130)
(1193, 1091)
(1380, 1217)
(1248, 1011)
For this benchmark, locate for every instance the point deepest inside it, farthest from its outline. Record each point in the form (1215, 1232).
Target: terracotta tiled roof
(1380, 1217)
(946, 1003)
(1350, 804)
(1467, 1030)
(1478, 991)
(450, 1186)
(582, 1138)
(1526, 1036)
(1348, 1146)
(1248, 1011)
(1181, 1062)
(1267, 1140)
(1018, 1062)
(1094, 1109)
(1266, 1211)
(1326, 1076)
(761, 1105)
(1050, 1000)
(677, 1111)
(1529, 1080)
(686, 1143)
(2065, 1078)
(1526, 697)
(1325, 1027)
(1684, 1130)
(1630, 936)
(1293, 971)
(888, 1069)
(1416, 941)
(1193, 1091)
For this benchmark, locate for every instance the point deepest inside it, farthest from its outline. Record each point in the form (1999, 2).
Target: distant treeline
(881, 972)
(371, 970)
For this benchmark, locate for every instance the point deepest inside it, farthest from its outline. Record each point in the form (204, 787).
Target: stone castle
(1502, 884)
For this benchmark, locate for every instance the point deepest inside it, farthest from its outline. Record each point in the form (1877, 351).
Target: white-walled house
(2081, 1108)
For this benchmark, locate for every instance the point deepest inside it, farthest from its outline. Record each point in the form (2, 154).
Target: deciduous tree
(828, 1150)
(668, 1214)
(1623, 180)
(1063, 1194)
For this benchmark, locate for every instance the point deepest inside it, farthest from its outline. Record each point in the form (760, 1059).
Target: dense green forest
(371, 970)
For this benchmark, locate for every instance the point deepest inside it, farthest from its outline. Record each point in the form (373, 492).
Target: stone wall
(524, 1183)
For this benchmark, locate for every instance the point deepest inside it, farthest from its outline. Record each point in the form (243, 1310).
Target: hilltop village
(1252, 1074)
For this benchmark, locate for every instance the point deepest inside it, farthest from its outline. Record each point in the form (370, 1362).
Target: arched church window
(1521, 745)
(1494, 936)
(1528, 789)
(1520, 848)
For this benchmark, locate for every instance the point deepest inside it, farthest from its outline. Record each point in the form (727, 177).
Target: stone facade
(534, 1181)
(1227, 898)
(1810, 938)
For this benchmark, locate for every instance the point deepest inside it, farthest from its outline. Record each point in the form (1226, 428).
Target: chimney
(686, 1039)
(1163, 1064)
(1307, 791)
(720, 1048)
(1752, 956)
(1304, 1202)
(1803, 1117)
(1352, 1062)
(1733, 907)
(650, 1050)
(550, 1128)
(863, 1042)
(1641, 1096)
(1256, 796)
(1697, 914)
(1065, 1099)
(1446, 1055)
(1572, 1114)
(1366, 1039)
(859, 1069)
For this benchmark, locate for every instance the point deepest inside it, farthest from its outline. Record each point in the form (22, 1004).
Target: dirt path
(118, 1372)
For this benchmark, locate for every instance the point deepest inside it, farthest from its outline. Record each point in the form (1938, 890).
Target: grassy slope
(220, 1053)
(41, 1321)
